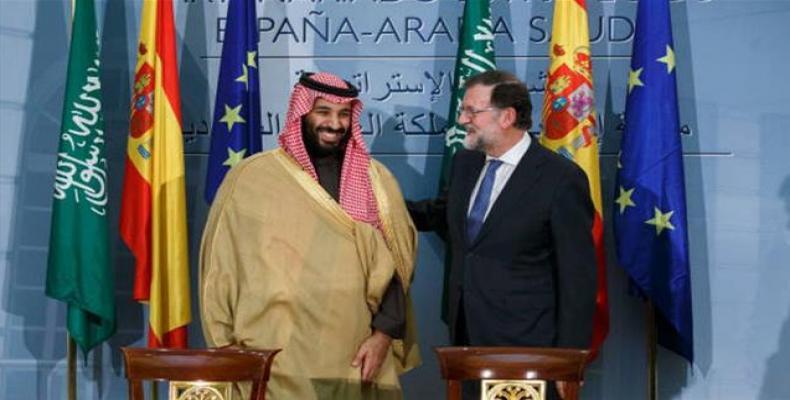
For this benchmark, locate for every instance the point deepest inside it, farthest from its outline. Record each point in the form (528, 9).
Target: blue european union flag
(650, 210)
(236, 130)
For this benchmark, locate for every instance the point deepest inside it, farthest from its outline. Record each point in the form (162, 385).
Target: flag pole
(652, 377)
(154, 384)
(71, 346)
(71, 367)
(472, 41)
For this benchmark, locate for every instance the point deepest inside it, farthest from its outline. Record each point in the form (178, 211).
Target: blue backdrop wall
(732, 58)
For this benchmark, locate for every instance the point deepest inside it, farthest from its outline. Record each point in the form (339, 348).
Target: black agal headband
(307, 81)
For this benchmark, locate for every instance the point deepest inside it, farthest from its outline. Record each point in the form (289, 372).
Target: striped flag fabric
(153, 205)
(569, 129)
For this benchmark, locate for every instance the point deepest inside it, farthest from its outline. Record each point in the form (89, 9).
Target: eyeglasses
(472, 113)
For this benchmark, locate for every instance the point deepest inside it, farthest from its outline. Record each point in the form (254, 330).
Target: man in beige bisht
(309, 248)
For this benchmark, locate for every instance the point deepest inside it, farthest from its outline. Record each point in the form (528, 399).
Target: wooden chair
(198, 373)
(512, 372)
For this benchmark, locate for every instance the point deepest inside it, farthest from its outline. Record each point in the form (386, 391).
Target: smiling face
(480, 120)
(326, 127)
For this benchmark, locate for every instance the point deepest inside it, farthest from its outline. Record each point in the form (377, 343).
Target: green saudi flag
(475, 55)
(79, 272)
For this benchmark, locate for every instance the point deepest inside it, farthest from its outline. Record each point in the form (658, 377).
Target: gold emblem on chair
(200, 390)
(496, 389)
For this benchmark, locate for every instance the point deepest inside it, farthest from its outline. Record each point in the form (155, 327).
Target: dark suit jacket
(529, 278)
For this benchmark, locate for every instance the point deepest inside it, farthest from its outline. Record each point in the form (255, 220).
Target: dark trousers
(470, 390)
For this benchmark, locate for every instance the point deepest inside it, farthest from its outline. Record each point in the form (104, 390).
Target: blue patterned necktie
(475, 219)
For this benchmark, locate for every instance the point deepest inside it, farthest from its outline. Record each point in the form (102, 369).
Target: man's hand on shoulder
(371, 354)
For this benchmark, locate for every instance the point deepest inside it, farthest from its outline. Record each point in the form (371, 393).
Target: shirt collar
(514, 155)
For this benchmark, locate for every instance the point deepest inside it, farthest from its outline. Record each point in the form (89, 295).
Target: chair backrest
(195, 367)
(512, 369)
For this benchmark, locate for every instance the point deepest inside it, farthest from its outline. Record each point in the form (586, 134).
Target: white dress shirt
(510, 160)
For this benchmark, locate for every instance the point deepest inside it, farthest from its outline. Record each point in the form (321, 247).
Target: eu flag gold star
(668, 59)
(243, 78)
(252, 57)
(661, 220)
(624, 200)
(633, 79)
(234, 157)
(232, 116)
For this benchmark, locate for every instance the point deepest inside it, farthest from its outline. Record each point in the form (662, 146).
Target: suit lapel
(470, 175)
(523, 178)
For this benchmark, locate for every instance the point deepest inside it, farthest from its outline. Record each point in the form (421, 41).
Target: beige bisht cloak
(283, 266)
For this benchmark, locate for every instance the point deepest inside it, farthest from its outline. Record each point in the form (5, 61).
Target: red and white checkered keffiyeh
(356, 192)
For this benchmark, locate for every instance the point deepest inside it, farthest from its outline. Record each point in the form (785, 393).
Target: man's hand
(371, 354)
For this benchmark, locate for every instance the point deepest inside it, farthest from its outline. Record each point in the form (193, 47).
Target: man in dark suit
(517, 218)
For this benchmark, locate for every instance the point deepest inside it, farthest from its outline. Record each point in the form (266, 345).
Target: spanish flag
(153, 208)
(569, 121)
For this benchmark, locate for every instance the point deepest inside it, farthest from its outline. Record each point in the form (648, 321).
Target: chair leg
(136, 391)
(572, 391)
(453, 390)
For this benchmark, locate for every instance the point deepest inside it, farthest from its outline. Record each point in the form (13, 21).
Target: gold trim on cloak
(314, 189)
(406, 351)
